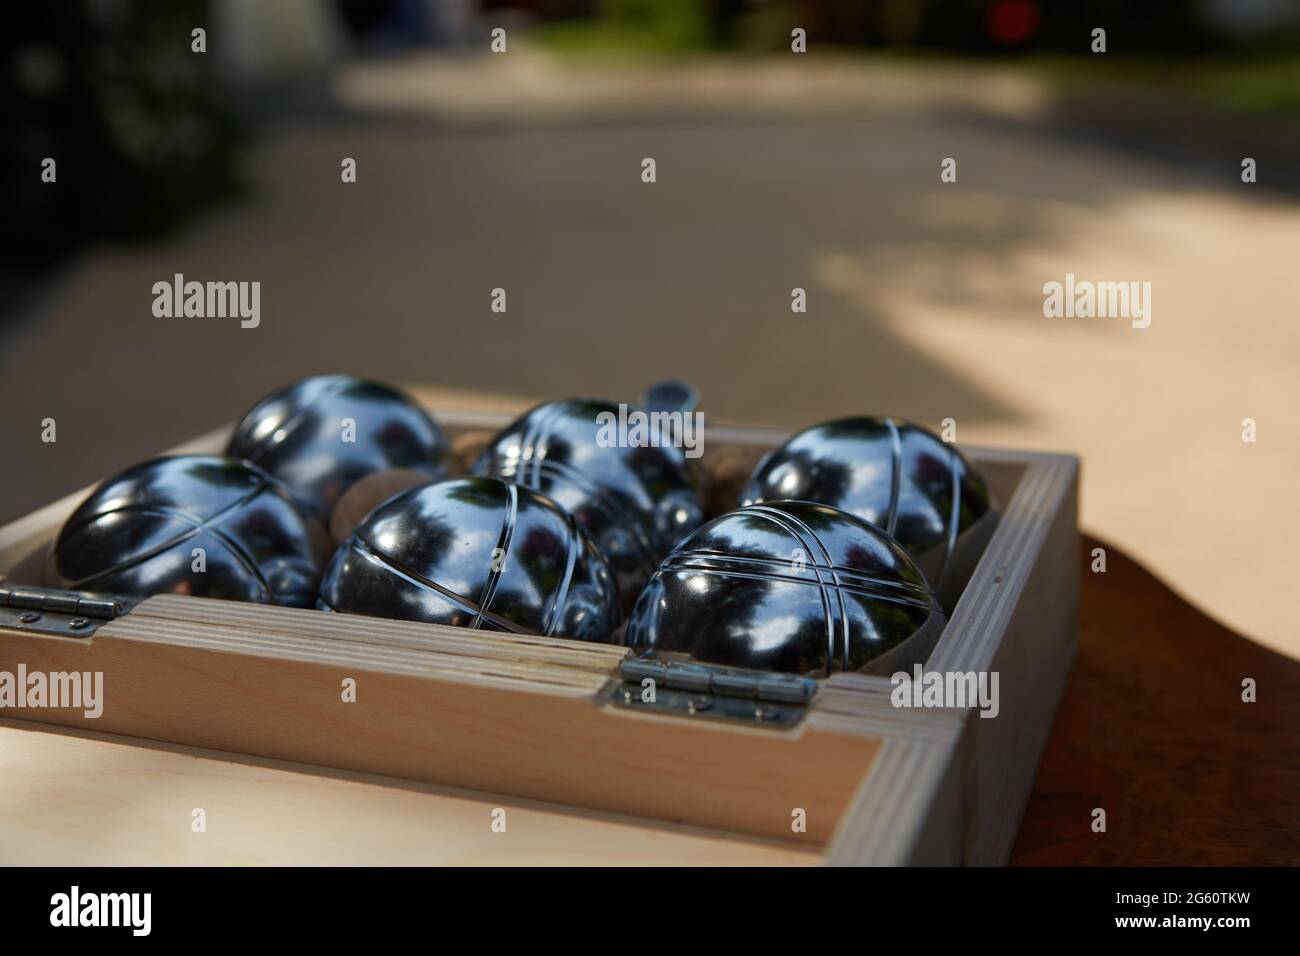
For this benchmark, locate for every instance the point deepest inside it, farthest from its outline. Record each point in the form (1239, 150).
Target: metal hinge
(55, 612)
(693, 689)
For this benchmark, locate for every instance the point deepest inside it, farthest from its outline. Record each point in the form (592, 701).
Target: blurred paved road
(925, 299)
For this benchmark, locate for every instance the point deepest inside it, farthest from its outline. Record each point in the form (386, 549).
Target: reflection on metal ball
(321, 434)
(635, 502)
(789, 586)
(192, 524)
(899, 477)
(478, 553)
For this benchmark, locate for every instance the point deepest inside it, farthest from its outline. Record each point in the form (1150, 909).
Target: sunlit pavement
(924, 299)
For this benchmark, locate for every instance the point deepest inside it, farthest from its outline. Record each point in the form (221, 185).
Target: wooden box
(855, 781)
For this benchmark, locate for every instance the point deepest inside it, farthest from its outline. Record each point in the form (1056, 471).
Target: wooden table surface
(1153, 730)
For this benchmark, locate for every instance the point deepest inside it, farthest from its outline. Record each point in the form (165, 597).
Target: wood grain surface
(1153, 729)
(72, 798)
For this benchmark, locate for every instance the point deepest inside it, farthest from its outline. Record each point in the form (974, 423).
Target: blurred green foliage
(650, 27)
(666, 24)
(1263, 85)
(1167, 45)
(1135, 27)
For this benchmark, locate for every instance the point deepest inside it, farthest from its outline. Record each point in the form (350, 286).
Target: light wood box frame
(524, 716)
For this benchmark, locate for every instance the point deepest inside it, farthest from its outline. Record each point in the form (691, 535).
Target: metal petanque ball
(635, 502)
(478, 553)
(899, 477)
(789, 586)
(321, 434)
(200, 525)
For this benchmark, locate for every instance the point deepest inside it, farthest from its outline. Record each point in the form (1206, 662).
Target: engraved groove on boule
(197, 526)
(574, 547)
(503, 549)
(776, 517)
(292, 421)
(370, 553)
(854, 580)
(603, 500)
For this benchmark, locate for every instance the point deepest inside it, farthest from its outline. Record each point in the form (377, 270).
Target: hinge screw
(762, 713)
(698, 704)
(29, 617)
(77, 623)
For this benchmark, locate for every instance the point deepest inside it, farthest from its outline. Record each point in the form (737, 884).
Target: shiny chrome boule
(635, 502)
(199, 525)
(479, 553)
(321, 434)
(899, 477)
(789, 586)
